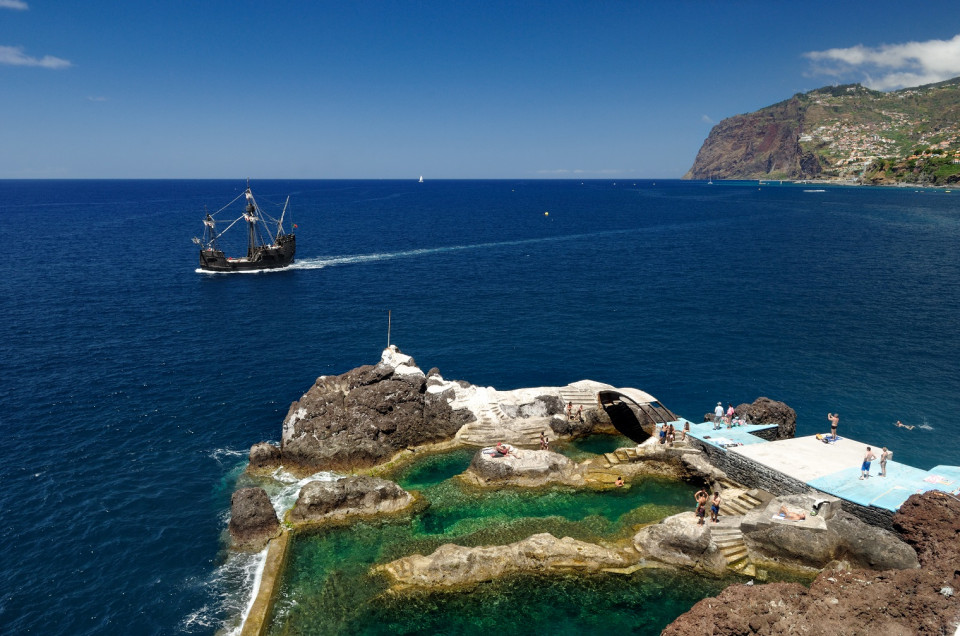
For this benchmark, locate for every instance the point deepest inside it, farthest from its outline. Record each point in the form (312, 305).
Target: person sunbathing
(790, 515)
(502, 449)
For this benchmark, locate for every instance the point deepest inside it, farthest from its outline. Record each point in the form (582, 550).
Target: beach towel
(937, 479)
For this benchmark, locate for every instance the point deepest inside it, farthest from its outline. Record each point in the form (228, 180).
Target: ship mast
(250, 214)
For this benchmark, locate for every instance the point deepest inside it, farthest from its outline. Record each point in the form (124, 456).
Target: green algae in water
(328, 587)
(433, 469)
(586, 447)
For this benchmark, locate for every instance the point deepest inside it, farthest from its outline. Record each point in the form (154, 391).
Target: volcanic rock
(253, 521)
(856, 601)
(767, 411)
(365, 416)
(451, 565)
(264, 456)
(355, 495)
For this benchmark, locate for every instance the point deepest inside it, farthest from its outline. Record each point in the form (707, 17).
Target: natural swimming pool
(327, 587)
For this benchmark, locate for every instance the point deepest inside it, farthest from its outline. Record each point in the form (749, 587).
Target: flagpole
(388, 329)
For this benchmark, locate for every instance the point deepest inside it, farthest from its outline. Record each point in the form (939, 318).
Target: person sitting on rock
(619, 481)
(502, 449)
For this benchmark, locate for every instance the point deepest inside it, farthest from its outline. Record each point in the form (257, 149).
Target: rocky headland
(369, 416)
(841, 133)
(372, 414)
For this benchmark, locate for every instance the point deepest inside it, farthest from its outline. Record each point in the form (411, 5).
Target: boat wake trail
(320, 263)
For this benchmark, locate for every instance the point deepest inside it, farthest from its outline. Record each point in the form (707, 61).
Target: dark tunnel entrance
(635, 420)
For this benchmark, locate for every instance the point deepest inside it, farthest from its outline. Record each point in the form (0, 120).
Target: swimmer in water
(900, 424)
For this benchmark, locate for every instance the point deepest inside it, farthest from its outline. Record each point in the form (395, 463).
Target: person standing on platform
(865, 466)
(834, 420)
(884, 456)
(730, 413)
(717, 415)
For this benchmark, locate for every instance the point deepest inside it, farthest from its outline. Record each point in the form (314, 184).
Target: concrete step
(718, 533)
(749, 499)
(613, 459)
(733, 554)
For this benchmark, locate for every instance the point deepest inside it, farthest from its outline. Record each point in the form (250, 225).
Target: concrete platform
(807, 458)
(834, 469)
(724, 437)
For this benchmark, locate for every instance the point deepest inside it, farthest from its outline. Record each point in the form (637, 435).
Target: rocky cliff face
(759, 145)
(914, 601)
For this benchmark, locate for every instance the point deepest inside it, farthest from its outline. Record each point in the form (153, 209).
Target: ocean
(134, 386)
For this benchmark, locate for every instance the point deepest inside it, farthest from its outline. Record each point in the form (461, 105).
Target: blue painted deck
(832, 468)
(726, 437)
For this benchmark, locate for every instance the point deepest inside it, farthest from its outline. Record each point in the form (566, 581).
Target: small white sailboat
(421, 179)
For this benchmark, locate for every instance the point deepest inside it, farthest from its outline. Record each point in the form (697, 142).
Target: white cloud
(13, 4)
(14, 56)
(706, 119)
(892, 66)
(93, 98)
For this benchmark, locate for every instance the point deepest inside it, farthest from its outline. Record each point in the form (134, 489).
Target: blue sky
(316, 89)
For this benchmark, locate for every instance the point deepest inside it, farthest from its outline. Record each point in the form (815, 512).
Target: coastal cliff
(844, 133)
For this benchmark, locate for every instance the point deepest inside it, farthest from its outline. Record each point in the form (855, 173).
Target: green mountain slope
(842, 132)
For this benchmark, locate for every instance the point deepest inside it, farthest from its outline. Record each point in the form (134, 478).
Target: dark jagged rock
(767, 411)
(365, 416)
(253, 521)
(355, 495)
(914, 601)
(264, 456)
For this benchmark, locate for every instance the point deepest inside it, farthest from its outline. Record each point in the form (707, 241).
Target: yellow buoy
(546, 214)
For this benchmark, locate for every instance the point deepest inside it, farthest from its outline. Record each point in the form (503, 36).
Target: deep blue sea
(133, 386)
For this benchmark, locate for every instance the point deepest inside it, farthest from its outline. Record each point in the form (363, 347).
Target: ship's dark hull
(275, 256)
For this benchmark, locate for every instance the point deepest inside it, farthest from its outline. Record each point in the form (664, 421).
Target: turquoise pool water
(328, 587)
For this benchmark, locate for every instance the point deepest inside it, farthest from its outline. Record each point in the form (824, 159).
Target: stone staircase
(729, 540)
(580, 397)
(622, 456)
(493, 426)
(737, 501)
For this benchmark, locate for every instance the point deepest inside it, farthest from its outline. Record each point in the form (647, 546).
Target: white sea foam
(234, 584)
(237, 581)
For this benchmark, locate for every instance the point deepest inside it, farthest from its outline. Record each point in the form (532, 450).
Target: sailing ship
(266, 249)
(421, 178)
